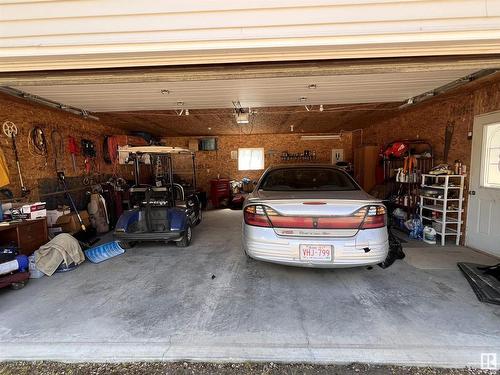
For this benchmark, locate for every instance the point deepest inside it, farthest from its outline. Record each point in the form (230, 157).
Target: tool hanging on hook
(37, 143)
(73, 150)
(10, 130)
(57, 144)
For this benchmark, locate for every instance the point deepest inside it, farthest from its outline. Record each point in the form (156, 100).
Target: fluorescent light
(319, 137)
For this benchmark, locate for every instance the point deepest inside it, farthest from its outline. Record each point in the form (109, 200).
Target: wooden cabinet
(28, 235)
(365, 164)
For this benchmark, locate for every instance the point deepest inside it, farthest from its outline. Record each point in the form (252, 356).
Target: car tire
(185, 240)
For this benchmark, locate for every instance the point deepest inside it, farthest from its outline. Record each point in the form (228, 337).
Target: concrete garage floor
(161, 303)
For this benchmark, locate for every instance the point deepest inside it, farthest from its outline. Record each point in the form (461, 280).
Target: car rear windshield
(321, 179)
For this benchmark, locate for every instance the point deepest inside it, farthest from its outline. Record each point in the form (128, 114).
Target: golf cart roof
(158, 150)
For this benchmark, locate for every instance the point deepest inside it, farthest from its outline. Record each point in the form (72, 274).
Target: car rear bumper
(264, 244)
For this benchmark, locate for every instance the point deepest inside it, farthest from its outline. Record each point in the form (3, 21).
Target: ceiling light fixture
(303, 99)
(180, 103)
(320, 137)
(312, 86)
(165, 91)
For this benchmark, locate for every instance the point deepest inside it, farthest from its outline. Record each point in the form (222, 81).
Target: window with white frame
(490, 171)
(250, 159)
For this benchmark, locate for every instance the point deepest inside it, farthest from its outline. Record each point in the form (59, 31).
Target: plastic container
(35, 273)
(104, 252)
(429, 235)
(19, 264)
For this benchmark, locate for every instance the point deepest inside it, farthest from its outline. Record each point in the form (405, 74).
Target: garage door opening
(402, 131)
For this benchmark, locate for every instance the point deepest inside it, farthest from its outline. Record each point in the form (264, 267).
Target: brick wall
(210, 164)
(428, 121)
(26, 115)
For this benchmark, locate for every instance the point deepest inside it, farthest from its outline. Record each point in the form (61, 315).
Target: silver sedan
(313, 216)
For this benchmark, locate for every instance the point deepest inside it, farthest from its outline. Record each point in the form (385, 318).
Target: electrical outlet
(337, 155)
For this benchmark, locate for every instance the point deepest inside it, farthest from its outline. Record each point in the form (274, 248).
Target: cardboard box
(69, 223)
(34, 210)
(53, 215)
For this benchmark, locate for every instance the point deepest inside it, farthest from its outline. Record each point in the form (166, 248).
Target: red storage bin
(219, 189)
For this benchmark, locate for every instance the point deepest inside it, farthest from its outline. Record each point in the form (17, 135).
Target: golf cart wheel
(200, 217)
(186, 238)
(126, 244)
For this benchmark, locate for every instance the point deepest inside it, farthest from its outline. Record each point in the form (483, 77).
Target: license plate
(315, 252)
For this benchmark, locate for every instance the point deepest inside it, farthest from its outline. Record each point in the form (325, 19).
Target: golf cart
(167, 210)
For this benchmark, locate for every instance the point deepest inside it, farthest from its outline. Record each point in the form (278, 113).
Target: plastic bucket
(35, 273)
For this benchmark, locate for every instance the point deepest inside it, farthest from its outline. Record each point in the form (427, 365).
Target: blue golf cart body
(166, 211)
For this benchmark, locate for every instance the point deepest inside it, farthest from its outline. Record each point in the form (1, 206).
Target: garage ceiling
(257, 92)
(206, 122)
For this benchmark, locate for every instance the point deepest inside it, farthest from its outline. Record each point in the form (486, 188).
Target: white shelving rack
(451, 217)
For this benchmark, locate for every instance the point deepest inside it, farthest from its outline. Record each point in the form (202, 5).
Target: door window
(490, 166)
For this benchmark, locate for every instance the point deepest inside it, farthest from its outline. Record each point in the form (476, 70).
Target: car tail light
(367, 217)
(280, 221)
(256, 216)
(376, 217)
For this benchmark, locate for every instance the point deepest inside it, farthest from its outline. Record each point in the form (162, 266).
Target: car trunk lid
(316, 214)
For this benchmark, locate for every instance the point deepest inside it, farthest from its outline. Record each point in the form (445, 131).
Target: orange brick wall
(428, 121)
(210, 164)
(26, 115)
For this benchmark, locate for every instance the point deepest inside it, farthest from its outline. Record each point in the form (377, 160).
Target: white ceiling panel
(259, 92)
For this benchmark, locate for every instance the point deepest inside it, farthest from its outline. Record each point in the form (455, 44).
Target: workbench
(27, 235)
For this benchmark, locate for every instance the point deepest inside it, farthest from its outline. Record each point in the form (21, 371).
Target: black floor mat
(484, 284)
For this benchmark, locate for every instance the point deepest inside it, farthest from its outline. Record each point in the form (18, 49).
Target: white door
(483, 214)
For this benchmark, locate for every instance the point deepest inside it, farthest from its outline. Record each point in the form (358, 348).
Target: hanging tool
(89, 152)
(57, 143)
(448, 135)
(10, 130)
(37, 143)
(73, 150)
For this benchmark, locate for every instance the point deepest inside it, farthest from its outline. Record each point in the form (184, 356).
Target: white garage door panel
(110, 33)
(258, 92)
